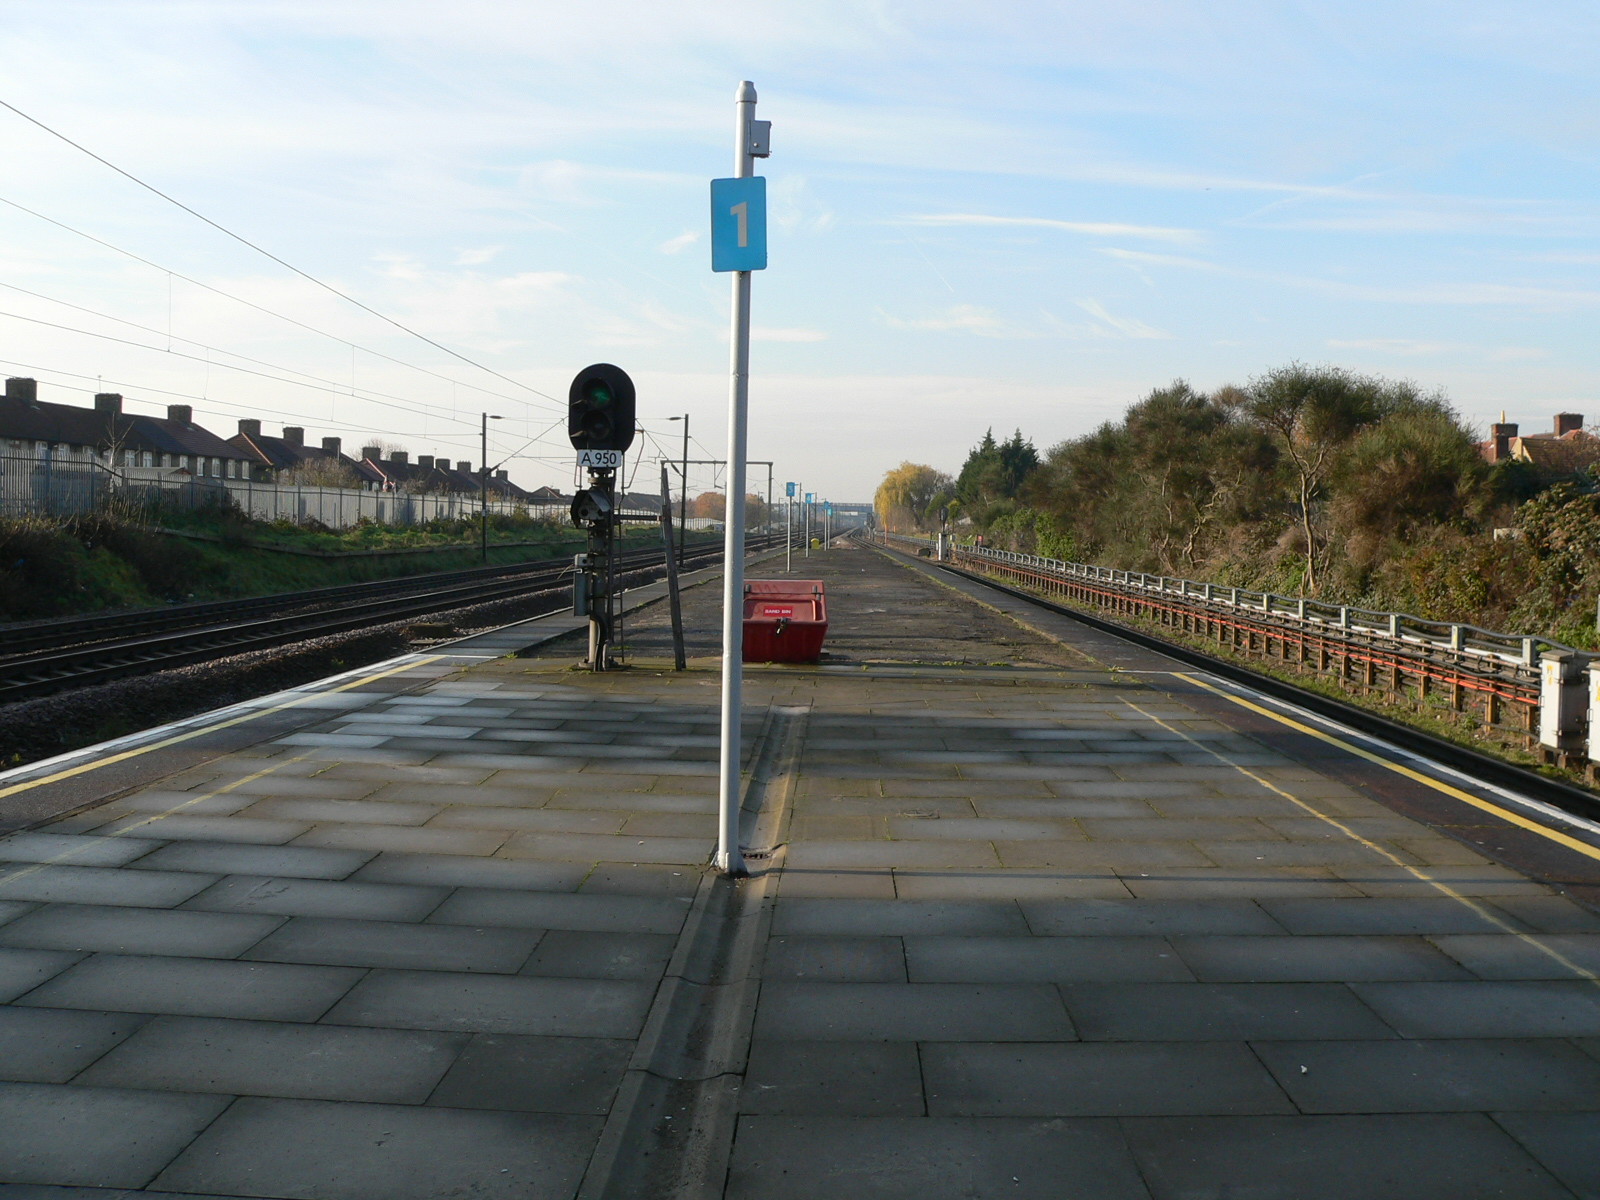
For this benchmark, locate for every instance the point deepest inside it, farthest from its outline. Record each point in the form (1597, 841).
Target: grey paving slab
(600, 1008)
(868, 918)
(535, 1074)
(1219, 1012)
(307, 1148)
(87, 927)
(405, 945)
(1434, 1075)
(1478, 880)
(544, 820)
(585, 847)
(318, 787)
(1487, 1009)
(572, 801)
(1043, 960)
(79, 850)
(1421, 915)
(23, 970)
(95, 1137)
(41, 1045)
(1567, 1144)
(1291, 959)
(1226, 883)
(158, 800)
(878, 884)
(353, 812)
(196, 987)
(1118, 856)
(554, 910)
(912, 1158)
(587, 955)
(1391, 1157)
(640, 879)
(101, 885)
(440, 792)
(266, 1058)
(1166, 918)
(916, 1012)
(457, 870)
(840, 1079)
(1097, 1079)
(1550, 914)
(320, 898)
(209, 829)
(1008, 885)
(835, 959)
(1510, 956)
(227, 859)
(406, 839)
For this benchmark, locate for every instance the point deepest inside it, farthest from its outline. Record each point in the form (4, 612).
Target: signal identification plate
(600, 460)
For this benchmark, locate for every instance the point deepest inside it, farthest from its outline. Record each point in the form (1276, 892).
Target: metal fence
(63, 487)
(1522, 683)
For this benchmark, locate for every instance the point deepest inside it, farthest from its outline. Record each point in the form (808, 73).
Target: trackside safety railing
(1528, 684)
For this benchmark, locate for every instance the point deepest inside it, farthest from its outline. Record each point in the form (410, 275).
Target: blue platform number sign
(811, 497)
(739, 224)
(788, 490)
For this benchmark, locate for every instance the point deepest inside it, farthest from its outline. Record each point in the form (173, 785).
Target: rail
(1526, 684)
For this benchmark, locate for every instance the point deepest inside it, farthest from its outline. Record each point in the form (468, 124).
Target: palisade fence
(1530, 685)
(65, 487)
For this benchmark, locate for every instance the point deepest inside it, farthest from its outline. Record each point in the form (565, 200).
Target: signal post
(600, 425)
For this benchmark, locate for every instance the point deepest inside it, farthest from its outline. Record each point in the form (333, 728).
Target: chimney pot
(499, 474)
(249, 427)
(371, 453)
(464, 466)
(425, 461)
(442, 463)
(183, 414)
(295, 435)
(330, 445)
(25, 390)
(108, 402)
(400, 457)
(1567, 422)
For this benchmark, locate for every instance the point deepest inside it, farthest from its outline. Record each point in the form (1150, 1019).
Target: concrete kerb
(671, 1128)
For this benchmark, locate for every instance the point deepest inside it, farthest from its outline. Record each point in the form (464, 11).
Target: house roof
(44, 421)
(1568, 454)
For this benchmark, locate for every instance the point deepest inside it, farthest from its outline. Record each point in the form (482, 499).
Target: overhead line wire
(328, 287)
(344, 341)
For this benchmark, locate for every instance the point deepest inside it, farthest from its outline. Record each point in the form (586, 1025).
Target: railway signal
(600, 409)
(600, 425)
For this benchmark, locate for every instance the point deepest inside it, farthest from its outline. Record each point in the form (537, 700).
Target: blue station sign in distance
(788, 490)
(739, 224)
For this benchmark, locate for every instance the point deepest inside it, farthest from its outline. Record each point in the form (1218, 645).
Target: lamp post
(483, 490)
(683, 508)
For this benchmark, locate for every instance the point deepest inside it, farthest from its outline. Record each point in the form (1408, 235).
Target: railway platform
(1033, 912)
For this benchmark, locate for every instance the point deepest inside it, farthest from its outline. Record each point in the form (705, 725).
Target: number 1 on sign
(742, 211)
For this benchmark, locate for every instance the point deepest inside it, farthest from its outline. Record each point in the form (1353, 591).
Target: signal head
(600, 409)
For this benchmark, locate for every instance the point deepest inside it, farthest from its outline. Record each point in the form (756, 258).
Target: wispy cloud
(680, 243)
(478, 256)
(1126, 326)
(1091, 228)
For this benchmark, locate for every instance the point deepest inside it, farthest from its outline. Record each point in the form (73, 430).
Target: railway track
(55, 656)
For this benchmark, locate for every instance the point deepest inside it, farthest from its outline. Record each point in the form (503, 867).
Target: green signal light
(597, 393)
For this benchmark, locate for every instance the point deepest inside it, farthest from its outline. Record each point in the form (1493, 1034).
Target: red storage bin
(785, 620)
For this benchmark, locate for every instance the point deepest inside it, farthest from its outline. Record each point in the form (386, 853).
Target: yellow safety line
(96, 764)
(1455, 793)
(1422, 876)
(91, 842)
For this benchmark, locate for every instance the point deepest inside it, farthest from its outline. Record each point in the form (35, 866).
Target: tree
(994, 472)
(327, 472)
(1311, 413)
(903, 497)
(709, 505)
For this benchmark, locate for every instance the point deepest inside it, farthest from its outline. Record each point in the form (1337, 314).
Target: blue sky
(1009, 216)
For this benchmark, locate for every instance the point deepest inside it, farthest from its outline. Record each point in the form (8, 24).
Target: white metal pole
(788, 543)
(729, 861)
